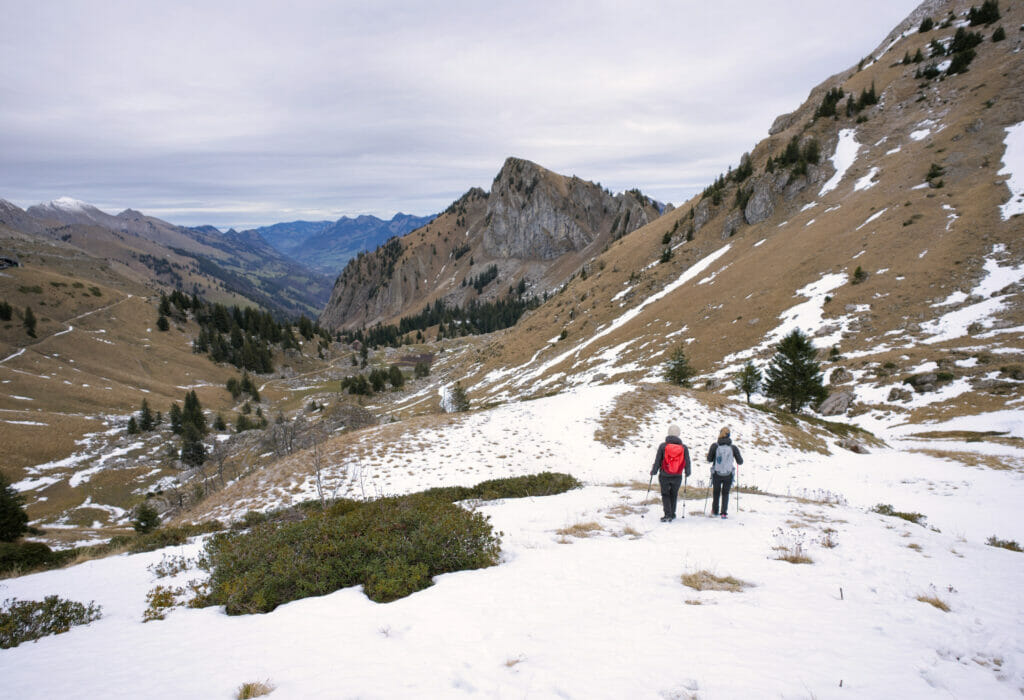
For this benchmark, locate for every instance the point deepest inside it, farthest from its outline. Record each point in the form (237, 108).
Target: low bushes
(393, 546)
(28, 620)
(886, 509)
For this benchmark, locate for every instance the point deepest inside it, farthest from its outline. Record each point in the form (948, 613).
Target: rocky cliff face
(534, 225)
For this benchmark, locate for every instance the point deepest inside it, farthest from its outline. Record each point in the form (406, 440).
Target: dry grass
(934, 601)
(693, 601)
(974, 459)
(915, 546)
(704, 580)
(255, 689)
(582, 529)
(630, 410)
(514, 661)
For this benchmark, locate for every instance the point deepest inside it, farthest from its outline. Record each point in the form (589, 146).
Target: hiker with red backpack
(724, 456)
(670, 464)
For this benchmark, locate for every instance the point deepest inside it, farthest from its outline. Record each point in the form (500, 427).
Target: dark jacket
(725, 441)
(660, 457)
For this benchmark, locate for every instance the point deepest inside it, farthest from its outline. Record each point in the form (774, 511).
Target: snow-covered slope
(607, 616)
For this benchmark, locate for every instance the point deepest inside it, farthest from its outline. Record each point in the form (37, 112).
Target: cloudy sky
(251, 112)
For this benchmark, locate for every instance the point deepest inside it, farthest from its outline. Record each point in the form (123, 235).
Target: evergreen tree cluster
(867, 97)
(245, 385)
(795, 157)
(827, 108)
(29, 322)
(452, 321)
(483, 279)
(144, 421)
(374, 382)
(986, 14)
(960, 50)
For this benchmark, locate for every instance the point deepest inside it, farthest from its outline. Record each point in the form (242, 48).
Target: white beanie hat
(673, 430)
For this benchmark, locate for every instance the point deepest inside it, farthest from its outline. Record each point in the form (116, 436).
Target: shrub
(888, 510)
(147, 518)
(926, 25)
(999, 34)
(394, 546)
(28, 620)
(677, 370)
(27, 556)
(1012, 545)
(960, 62)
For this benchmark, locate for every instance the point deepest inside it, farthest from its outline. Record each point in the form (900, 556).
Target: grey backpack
(723, 460)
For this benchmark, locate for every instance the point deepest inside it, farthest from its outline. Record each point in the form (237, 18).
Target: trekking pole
(685, 477)
(737, 488)
(647, 496)
(706, 494)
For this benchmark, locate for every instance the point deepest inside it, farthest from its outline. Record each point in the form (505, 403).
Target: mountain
(327, 246)
(228, 267)
(534, 226)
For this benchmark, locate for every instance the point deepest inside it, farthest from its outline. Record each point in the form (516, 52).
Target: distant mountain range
(327, 246)
(232, 268)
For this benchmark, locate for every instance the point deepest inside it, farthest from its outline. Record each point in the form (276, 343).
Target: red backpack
(673, 461)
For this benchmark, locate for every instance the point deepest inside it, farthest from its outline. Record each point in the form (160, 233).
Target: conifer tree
(193, 452)
(396, 377)
(146, 519)
(147, 421)
(133, 426)
(162, 324)
(29, 322)
(192, 414)
(748, 379)
(13, 518)
(794, 375)
(175, 418)
(677, 369)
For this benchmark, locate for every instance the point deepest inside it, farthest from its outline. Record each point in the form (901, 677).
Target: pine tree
(146, 519)
(162, 324)
(133, 426)
(192, 414)
(459, 399)
(193, 452)
(146, 419)
(396, 377)
(794, 375)
(748, 379)
(29, 322)
(175, 418)
(13, 518)
(677, 369)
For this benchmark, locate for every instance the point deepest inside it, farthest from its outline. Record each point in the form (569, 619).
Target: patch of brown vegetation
(704, 580)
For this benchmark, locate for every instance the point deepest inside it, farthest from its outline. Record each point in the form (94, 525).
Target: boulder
(848, 443)
(840, 375)
(837, 403)
(732, 224)
(899, 394)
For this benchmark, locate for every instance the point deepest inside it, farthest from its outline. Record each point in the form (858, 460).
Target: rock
(795, 187)
(701, 214)
(975, 126)
(837, 403)
(852, 445)
(760, 205)
(732, 224)
(781, 123)
(924, 382)
(713, 384)
(840, 375)
(899, 394)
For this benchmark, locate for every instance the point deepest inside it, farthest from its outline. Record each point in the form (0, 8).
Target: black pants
(721, 485)
(669, 493)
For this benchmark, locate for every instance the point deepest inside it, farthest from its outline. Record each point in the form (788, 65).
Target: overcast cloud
(252, 112)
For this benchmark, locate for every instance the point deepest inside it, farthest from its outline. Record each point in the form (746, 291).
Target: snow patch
(842, 159)
(866, 182)
(1013, 168)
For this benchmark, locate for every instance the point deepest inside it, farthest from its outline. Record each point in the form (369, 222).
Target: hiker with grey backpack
(724, 456)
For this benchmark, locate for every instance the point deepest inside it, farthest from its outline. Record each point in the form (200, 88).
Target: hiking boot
(724, 516)
(665, 519)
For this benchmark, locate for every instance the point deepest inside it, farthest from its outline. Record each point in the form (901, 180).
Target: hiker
(671, 462)
(723, 456)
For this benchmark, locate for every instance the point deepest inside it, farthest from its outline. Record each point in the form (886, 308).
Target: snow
(607, 616)
(1013, 168)
(957, 323)
(844, 157)
(866, 182)
(872, 218)
(68, 204)
(894, 150)
(919, 134)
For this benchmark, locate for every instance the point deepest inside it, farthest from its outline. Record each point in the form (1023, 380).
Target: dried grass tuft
(704, 580)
